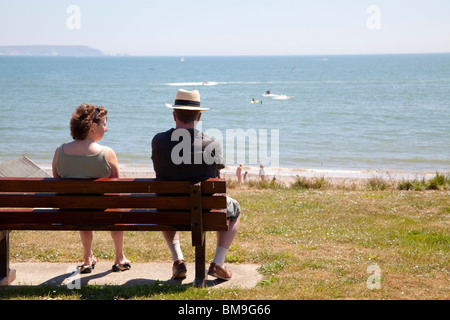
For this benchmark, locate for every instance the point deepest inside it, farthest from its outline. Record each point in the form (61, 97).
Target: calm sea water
(339, 112)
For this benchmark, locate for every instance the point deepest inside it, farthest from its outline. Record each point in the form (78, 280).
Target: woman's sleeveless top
(83, 167)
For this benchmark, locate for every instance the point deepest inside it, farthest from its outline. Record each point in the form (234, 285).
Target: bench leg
(200, 261)
(6, 275)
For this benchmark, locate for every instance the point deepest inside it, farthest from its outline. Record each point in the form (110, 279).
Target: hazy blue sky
(232, 27)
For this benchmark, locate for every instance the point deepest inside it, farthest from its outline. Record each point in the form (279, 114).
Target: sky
(232, 27)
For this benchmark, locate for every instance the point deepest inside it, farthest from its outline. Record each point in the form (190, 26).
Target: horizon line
(127, 55)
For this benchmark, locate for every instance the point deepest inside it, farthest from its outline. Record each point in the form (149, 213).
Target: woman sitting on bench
(83, 158)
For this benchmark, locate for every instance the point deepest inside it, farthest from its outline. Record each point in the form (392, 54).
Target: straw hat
(187, 100)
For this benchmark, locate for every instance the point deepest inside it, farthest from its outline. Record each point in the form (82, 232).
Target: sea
(349, 112)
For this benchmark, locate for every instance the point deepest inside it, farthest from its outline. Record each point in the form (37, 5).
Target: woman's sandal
(87, 268)
(121, 267)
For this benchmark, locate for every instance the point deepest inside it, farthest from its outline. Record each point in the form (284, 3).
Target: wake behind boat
(209, 83)
(181, 84)
(276, 96)
(282, 97)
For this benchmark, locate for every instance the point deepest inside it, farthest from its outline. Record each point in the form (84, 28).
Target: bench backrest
(111, 204)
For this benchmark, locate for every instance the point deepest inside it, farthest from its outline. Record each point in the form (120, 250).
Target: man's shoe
(179, 269)
(217, 271)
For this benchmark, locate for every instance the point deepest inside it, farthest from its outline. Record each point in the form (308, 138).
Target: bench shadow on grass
(60, 288)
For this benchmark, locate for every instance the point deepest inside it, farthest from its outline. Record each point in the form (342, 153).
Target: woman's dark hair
(83, 118)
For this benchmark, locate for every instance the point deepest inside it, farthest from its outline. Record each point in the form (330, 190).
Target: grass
(438, 182)
(312, 239)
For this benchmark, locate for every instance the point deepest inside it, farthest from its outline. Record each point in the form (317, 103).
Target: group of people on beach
(239, 174)
(84, 158)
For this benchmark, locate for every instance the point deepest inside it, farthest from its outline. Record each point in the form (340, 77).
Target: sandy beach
(23, 166)
(288, 175)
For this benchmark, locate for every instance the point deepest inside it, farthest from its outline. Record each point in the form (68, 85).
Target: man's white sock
(219, 257)
(175, 249)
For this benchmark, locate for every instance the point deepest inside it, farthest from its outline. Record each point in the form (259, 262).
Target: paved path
(38, 273)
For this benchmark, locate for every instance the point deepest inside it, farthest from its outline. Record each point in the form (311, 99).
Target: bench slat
(101, 185)
(117, 227)
(91, 202)
(106, 185)
(111, 216)
(105, 201)
(214, 186)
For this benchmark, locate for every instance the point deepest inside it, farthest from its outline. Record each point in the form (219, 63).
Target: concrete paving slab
(21, 167)
(64, 274)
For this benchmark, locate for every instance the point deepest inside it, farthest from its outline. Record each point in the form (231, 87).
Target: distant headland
(49, 50)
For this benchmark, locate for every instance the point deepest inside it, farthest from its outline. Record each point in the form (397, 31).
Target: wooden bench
(111, 204)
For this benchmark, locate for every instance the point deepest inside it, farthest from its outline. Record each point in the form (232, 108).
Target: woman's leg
(86, 241)
(117, 237)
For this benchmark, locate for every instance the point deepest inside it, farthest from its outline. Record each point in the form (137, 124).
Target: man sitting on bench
(184, 153)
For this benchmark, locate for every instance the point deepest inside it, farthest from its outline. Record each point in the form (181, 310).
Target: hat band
(188, 103)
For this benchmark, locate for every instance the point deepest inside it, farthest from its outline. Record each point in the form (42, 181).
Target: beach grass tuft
(310, 183)
(438, 182)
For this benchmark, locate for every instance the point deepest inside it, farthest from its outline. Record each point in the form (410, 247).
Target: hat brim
(186, 107)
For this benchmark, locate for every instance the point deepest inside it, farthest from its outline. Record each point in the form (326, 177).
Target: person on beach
(261, 172)
(170, 165)
(239, 173)
(84, 158)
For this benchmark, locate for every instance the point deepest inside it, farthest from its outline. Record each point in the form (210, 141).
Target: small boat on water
(277, 96)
